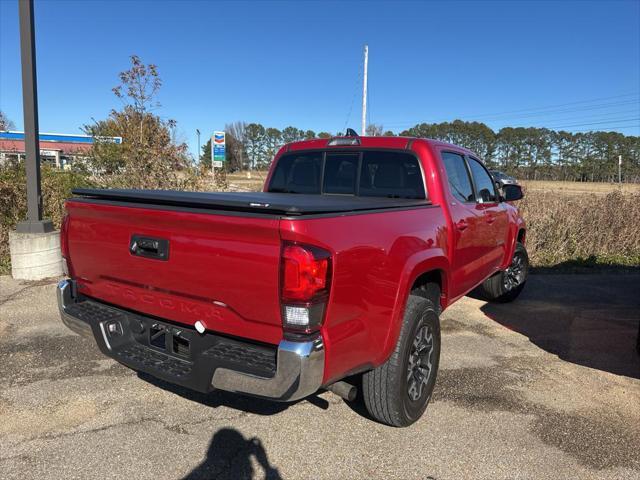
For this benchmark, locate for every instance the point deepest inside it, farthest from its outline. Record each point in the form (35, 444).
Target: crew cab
(338, 270)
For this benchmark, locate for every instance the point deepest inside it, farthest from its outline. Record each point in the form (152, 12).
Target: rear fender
(418, 264)
(516, 224)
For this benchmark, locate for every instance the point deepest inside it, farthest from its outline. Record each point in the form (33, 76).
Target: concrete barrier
(35, 256)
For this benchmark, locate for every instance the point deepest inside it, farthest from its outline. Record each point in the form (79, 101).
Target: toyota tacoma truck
(337, 270)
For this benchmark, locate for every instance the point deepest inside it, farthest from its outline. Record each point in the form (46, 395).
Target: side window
(484, 184)
(340, 172)
(458, 176)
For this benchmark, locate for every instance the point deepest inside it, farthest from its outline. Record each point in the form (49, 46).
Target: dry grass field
(240, 182)
(599, 188)
(576, 231)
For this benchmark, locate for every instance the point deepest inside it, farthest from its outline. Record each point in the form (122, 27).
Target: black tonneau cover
(289, 204)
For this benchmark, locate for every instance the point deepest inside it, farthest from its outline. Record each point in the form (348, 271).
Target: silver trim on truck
(299, 371)
(300, 366)
(66, 296)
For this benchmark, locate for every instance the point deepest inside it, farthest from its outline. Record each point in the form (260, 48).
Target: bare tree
(149, 155)
(375, 130)
(237, 144)
(5, 123)
(238, 130)
(139, 85)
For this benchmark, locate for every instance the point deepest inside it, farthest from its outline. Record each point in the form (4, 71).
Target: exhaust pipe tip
(344, 390)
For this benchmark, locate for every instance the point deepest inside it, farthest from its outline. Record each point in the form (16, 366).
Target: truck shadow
(220, 398)
(589, 320)
(229, 456)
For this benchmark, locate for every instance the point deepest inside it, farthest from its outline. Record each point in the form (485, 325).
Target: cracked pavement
(545, 387)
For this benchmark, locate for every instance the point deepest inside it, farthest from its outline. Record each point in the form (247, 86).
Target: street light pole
(619, 168)
(364, 91)
(34, 222)
(198, 134)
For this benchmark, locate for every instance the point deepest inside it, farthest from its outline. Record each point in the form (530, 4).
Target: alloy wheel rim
(420, 363)
(515, 275)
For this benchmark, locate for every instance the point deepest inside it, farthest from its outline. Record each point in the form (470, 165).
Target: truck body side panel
(366, 276)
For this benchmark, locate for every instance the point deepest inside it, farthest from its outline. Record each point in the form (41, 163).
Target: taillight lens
(305, 282)
(305, 272)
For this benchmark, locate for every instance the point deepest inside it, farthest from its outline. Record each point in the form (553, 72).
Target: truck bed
(285, 204)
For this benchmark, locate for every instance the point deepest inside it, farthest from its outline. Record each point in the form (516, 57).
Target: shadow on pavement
(219, 398)
(229, 456)
(589, 320)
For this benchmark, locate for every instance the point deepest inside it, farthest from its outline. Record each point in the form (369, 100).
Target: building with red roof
(58, 149)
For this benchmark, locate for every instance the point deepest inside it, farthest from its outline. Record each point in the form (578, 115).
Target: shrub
(56, 187)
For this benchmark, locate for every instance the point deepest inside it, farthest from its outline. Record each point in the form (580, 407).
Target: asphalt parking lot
(546, 387)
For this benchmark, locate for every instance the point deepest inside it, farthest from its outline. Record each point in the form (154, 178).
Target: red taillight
(305, 282)
(305, 272)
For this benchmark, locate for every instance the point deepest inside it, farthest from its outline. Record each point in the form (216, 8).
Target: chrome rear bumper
(66, 296)
(299, 366)
(299, 370)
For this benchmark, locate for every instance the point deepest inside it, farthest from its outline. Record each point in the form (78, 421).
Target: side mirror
(511, 193)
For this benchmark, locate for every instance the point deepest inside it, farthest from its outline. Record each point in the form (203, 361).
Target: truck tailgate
(220, 269)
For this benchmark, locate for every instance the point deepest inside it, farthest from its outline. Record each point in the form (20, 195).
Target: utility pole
(364, 91)
(619, 168)
(198, 157)
(34, 222)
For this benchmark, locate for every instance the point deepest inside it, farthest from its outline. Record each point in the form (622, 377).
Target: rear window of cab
(368, 173)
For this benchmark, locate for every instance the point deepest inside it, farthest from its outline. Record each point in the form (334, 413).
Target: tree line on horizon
(151, 155)
(525, 152)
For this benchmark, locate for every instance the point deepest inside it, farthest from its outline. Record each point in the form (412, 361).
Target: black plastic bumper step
(239, 353)
(92, 311)
(150, 358)
(170, 351)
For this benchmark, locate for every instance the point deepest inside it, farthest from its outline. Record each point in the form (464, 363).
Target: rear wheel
(397, 392)
(506, 285)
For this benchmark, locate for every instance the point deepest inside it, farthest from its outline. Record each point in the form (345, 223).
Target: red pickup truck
(340, 267)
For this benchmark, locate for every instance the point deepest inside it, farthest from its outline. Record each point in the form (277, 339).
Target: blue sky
(564, 64)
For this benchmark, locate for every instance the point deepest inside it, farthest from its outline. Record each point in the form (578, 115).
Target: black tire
(387, 390)
(505, 286)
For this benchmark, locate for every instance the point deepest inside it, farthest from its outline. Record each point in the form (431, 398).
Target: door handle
(148, 247)
(462, 225)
